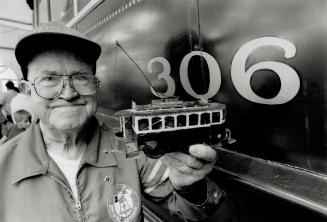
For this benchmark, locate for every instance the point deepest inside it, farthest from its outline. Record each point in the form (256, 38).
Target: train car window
(143, 124)
(169, 122)
(181, 120)
(128, 123)
(215, 117)
(224, 115)
(61, 10)
(205, 118)
(193, 119)
(156, 123)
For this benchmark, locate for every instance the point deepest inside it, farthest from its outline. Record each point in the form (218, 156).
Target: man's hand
(187, 169)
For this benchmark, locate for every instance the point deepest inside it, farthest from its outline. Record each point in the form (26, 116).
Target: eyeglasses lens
(85, 84)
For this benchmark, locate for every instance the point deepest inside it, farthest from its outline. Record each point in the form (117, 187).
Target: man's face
(69, 110)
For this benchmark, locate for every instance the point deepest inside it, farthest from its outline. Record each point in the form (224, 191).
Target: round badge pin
(123, 203)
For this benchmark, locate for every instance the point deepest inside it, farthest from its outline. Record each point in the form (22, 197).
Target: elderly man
(62, 167)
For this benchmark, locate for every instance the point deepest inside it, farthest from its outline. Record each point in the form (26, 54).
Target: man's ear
(25, 87)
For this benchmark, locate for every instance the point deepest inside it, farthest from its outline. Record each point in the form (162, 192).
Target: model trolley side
(173, 125)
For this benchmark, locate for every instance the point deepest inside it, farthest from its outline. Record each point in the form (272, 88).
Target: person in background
(64, 168)
(21, 114)
(23, 121)
(5, 99)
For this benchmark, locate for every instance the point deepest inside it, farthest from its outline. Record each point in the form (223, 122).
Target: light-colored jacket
(33, 189)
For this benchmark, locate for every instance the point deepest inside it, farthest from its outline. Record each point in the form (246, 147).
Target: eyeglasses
(51, 86)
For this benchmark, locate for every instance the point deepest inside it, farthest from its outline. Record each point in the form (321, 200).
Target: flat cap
(54, 35)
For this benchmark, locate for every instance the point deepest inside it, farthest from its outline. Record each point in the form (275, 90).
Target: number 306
(289, 79)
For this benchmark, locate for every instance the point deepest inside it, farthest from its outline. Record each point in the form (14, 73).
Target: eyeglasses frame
(70, 77)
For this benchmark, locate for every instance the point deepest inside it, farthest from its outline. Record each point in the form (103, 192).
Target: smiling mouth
(67, 106)
(58, 105)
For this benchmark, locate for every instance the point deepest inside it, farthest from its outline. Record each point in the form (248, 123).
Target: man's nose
(68, 91)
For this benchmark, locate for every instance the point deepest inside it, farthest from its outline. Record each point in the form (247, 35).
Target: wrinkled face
(69, 110)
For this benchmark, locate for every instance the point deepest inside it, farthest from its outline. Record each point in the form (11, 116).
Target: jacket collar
(32, 159)
(101, 143)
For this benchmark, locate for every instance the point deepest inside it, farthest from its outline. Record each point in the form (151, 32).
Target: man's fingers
(174, 163)
(187, 159)
(186, 169)
(203, 152)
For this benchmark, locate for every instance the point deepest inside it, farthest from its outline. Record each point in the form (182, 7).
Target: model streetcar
(169, 124)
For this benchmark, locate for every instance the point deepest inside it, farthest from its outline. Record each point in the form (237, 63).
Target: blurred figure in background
(23, 121)
(5, 99)
(21, 115)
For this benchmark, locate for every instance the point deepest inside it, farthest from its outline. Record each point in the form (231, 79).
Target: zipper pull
(78, 204)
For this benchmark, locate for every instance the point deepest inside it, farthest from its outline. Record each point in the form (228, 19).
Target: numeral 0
(214, 71)
(290, 82)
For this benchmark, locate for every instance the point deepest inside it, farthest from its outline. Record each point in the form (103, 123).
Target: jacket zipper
(78, 203)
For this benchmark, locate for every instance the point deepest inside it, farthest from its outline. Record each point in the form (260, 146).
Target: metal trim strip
(294, 184)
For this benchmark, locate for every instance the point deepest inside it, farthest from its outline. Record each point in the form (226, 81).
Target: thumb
(203, 152)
